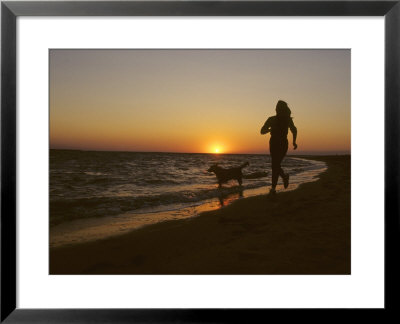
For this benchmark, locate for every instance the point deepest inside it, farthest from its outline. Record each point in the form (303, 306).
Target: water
(97, 194)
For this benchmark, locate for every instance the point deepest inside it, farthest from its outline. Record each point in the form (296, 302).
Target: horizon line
(344, 152)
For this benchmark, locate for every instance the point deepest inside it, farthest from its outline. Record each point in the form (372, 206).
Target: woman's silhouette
(278, 126)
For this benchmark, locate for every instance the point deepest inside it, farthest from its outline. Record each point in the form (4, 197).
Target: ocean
(94, 195)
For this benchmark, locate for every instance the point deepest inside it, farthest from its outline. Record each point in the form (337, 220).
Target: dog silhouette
(224, 175)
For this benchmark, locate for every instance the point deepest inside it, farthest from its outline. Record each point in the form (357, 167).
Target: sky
(198, 101)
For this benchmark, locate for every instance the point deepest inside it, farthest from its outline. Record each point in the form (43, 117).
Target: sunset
(198, 101)
(200, 161)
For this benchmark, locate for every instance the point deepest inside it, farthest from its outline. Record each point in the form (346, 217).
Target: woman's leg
(281, 173)
(278, 151)
(276, 167)
(275, 170)
(275, 164)
(283, 152)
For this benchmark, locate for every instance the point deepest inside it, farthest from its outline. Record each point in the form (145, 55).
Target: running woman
(278, 126)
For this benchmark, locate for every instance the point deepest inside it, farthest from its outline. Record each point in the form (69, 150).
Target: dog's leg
(239, 180)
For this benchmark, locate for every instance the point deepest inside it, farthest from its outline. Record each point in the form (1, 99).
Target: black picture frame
(10, 10)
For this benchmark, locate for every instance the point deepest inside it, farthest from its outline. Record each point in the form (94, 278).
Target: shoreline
(304, 231)
(91, 229)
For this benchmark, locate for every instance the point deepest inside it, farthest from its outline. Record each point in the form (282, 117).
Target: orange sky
(197, 100)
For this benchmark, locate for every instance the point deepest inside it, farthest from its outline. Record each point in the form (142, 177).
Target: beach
(304, 231)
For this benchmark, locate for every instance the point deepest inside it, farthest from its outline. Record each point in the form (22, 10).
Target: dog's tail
(244, 165)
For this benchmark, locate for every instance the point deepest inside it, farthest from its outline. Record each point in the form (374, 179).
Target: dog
(224, 175)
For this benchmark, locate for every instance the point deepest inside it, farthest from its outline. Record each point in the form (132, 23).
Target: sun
(216, 148)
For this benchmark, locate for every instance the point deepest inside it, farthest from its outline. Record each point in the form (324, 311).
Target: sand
(305, 231)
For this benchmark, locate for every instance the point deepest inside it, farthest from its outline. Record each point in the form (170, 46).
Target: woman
(278, 126)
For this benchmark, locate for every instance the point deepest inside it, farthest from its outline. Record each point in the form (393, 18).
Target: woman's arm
(293, 129)
(267, 127)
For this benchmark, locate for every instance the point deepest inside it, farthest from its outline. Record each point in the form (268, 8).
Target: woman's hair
(282, 109)
(283, 114)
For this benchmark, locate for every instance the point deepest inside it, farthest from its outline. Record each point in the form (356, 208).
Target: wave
(62, 209)
(95, 173)
(161, 181)
(256, 175)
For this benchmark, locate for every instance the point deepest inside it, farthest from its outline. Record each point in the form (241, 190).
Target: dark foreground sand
(306, 231)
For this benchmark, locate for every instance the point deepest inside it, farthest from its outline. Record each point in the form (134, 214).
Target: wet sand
(305, 231)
